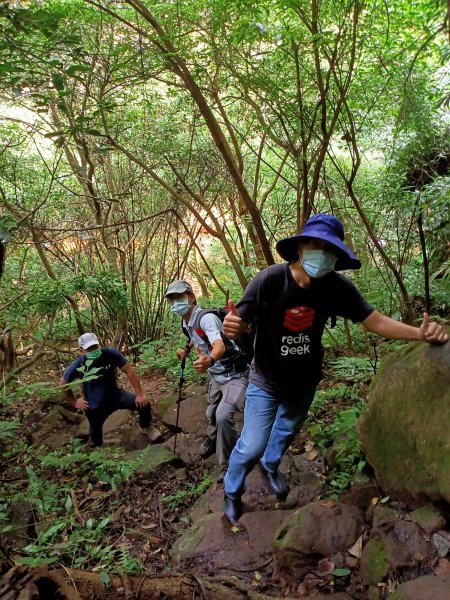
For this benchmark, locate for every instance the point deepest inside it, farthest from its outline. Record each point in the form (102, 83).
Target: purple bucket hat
(322, 227)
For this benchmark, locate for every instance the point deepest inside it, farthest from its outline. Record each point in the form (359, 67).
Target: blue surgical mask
(180, 307)
(94, 354)
(318, 263)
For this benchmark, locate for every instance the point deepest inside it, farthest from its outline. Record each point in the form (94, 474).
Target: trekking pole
(183, 363)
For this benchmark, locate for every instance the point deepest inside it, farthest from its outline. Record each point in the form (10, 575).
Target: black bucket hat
(322, 227)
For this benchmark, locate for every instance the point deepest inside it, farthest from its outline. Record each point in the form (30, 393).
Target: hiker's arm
(68, 394)
(204, 362)
(384, 326)
(141, 398)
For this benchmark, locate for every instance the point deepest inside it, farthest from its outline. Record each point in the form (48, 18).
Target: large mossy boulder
(405, 431)
(322, 528)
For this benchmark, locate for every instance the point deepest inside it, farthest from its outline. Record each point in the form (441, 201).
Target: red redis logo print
(298, 318)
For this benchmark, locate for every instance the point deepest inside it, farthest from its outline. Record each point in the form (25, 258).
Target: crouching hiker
(289, 304)
(227, 377)
(102, 396)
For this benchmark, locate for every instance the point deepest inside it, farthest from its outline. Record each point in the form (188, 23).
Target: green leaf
(9, 68)
(95, 132)
(58, 82)
(104, 522)
(385, 499)
(27, 560)
(104, 578)
(7, 223)
(68, 505)
(77, 69)
(314, 429)
(341, 572)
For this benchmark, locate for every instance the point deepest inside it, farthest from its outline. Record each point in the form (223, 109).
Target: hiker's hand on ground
(181, 353)
(233, 325)
(432, 332)
(203, 361)
(141, 400)
(81, 404)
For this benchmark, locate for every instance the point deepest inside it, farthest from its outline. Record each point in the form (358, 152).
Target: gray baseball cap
(87, 340)
(179, 287)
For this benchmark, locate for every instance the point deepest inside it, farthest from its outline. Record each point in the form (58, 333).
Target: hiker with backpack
(101, 394)
(289, 305)
(225, 363)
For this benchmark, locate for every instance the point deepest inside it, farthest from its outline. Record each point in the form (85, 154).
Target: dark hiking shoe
(277, 483)
(232, 509)
(207, 448)
(221, 476)
(92, 444)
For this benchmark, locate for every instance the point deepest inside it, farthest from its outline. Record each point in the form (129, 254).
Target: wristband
(187, 348)
(212, 359)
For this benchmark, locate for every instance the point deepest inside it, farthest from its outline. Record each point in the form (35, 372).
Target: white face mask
(318, 263)
(180, 307)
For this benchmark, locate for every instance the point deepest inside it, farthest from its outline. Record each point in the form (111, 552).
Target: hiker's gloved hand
(233, 325)
(81, 404)
(142, 400)
(181, 353)
(432, 332)
(203, 361)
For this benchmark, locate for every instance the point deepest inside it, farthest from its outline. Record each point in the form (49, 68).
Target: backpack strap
(220, 313)
(184, 330)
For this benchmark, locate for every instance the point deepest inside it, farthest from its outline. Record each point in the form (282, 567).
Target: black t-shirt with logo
(289, 324)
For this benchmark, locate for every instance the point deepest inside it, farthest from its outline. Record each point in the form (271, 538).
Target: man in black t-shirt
(288, 305)
(102, 396)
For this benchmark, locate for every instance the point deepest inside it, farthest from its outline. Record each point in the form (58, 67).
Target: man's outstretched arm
(141, 397)
(384, 326)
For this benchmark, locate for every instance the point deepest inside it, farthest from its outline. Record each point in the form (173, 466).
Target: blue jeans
(270, 424)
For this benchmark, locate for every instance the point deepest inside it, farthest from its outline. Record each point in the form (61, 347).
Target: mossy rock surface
(374, 562)
(162, 405)
(428, 519)
(429, 587)
(152, 457)
(405, 431)
(320, 528)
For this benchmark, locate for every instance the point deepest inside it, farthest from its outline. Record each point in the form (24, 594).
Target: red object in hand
(298, 318)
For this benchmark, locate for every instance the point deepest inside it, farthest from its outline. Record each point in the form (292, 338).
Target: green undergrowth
(192, 491)
(331, 423)
(160, 355)
(69, 497)
(49, 490)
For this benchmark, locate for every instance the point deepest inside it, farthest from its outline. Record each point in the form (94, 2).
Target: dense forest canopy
(145, 141)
